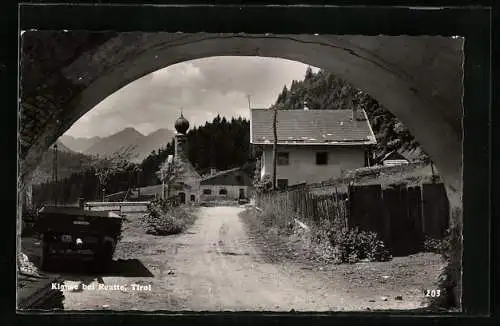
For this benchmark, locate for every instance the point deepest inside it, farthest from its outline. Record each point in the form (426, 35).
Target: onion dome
(181, 125)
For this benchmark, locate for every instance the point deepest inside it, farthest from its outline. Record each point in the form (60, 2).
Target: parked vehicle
(75, 233)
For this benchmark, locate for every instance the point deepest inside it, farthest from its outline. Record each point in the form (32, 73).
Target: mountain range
(141, 145)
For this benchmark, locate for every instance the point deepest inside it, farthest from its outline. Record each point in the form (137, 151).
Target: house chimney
(358, 114)
(212, 171)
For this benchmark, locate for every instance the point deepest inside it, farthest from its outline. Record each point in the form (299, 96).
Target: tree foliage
(221, 144)
(169, 173)
(105, 166)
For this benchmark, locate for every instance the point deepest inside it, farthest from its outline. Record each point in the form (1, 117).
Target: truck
(73, 233)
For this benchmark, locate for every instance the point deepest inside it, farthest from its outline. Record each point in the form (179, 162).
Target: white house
(313, 145)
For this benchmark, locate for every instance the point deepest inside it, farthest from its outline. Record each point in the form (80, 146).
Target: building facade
(231, 184)
(392, 158)
(310, 164)
(313, 145)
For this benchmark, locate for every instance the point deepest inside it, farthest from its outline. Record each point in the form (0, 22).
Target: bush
(164, 224)
(163, 204)
(354, 245)
(165, 219)
(265, 185)
(435, 245)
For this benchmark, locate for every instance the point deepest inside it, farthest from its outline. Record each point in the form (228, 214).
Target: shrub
(435, 245)
(164, 224)
(353, 245)
(263, 186)
(164, 219)
(163, 204)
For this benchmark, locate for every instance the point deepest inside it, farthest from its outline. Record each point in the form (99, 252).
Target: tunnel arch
(417, 78)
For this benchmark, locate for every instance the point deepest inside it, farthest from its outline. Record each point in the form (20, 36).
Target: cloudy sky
(202, 88)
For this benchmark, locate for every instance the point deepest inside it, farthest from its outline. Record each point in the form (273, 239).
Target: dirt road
(214, 266)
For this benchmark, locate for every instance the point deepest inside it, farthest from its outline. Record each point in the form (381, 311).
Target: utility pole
(248, 96)
(54, 174)
(275, 146)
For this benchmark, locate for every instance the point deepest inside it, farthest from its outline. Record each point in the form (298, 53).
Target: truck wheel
(104, 257)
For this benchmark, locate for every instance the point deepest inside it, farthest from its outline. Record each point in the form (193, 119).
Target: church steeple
(181, 124)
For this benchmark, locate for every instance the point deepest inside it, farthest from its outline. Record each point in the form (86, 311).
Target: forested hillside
(69, 162)
(323, 90)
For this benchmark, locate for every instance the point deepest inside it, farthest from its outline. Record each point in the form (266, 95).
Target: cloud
(202, 88)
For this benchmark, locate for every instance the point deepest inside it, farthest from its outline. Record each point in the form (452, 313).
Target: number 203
(432, 293)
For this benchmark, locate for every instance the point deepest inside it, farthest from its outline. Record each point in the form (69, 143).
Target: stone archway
(417, 78)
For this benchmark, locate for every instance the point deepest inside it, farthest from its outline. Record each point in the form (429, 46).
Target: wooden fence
(402, 216)
(118, 196)
(331, 207)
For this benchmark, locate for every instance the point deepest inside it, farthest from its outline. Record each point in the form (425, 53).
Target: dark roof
(72, 211)
(149, 190)
(218, 174)
(310, 127)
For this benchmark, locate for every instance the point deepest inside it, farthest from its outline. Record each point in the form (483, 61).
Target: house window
(207, 191)
(223, 191)
(283, 158)
(282, 183)
(193, 198)
(321, 158)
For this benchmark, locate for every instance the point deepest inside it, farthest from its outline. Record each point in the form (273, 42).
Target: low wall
(120, 207)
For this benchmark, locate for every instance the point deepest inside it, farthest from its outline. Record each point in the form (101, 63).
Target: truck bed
(74, 219)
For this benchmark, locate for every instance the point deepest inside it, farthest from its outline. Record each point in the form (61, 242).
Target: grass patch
(283, 237)
(164, 219)
(273, 245)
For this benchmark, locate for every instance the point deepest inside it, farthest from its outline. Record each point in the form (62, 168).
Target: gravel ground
(219, 264)
(402, 277)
